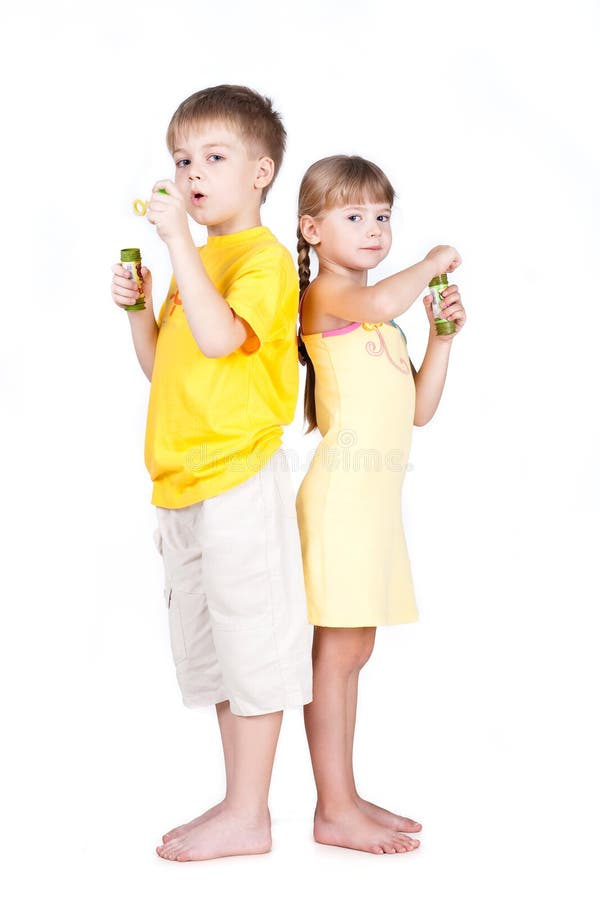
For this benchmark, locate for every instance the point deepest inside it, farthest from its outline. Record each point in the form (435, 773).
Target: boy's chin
(198, 217)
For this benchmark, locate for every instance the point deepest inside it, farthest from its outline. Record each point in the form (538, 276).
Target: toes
(170, 850)
(410, 825)
(406, 843)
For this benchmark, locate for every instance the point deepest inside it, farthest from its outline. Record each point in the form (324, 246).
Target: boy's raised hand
(445, 258)
(124, 289)
(451, 308)
(167, 211)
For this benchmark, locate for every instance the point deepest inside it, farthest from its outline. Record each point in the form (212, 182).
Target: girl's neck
(331, 267)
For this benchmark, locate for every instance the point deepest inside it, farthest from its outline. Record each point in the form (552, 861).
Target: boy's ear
(265, 170)
(310, 230)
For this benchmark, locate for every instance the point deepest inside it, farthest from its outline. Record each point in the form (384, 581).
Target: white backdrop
(480, 720)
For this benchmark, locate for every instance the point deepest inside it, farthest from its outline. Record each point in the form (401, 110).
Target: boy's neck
(233, 227)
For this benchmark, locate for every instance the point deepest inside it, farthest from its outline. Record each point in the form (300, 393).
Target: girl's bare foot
(385, 817)
(224, 834)
(183, 829)
(356, 830)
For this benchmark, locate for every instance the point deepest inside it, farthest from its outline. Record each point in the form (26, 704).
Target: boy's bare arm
(144, 332)
(144, 329)
(216, 328)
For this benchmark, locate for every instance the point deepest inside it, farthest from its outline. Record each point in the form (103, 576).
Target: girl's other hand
(451, 308)
(445, 258)
(124, 289)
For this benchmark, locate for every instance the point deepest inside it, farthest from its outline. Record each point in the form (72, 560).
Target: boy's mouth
(197, 196)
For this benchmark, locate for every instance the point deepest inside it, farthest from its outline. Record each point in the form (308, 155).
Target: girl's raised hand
(167, 211)
(445, 258)
(451, 308)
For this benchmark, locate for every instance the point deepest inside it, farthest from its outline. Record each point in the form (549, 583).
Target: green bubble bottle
(436, 286)
(131, 259)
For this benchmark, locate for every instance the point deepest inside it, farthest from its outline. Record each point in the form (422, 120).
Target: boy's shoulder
(245, 250)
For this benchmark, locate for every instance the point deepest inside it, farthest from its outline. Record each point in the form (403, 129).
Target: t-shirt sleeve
(257, 296)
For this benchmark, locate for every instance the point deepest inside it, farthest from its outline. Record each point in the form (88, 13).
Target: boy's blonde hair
(249, 113)
(329, 183)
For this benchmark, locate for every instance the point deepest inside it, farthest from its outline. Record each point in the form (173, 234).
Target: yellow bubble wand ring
(140, 207)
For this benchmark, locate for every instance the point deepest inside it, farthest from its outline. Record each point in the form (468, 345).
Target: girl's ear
(310, 230)
(265, 171)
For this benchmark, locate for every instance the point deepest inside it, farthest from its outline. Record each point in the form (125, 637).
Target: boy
(222, 361)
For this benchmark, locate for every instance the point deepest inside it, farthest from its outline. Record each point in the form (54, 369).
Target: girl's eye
(182, 163)
(383, 218)
(354, 217)
(215, 156)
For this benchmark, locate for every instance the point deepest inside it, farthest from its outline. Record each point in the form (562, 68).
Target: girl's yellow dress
(356, 566)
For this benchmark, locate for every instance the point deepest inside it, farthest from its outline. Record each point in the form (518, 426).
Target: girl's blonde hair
(329, 183)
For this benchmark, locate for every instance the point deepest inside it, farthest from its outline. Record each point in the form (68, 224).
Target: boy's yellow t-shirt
(213, 423)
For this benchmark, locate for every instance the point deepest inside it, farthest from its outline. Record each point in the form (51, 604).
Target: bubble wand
(131, 258)
(140, 207)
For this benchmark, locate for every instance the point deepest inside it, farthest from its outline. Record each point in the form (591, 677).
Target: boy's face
(221, 178)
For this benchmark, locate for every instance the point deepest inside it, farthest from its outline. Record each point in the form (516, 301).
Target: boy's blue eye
(215, 156)
(181, 163)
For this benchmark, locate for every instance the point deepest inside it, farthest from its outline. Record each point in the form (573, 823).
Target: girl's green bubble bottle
(436, 286)
(131, 259)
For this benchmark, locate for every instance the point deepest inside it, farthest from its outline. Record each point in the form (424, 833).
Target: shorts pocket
(176, 632)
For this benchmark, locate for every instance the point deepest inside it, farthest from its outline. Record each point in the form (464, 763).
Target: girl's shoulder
(316, 303)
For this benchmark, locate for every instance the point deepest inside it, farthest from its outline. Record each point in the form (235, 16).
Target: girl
(363, 394)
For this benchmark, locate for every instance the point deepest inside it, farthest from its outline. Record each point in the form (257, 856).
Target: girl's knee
(366, 646)
(347, 648)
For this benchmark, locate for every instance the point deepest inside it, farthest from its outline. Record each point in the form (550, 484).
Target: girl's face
(354, 237)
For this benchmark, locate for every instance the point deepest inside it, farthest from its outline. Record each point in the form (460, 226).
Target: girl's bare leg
(225, 717)
(242, 825)
(338, 656)
(384, 816)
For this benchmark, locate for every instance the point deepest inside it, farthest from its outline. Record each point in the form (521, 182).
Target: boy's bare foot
(223, 834)
(358, 831)
(183, 829)
(385, 817)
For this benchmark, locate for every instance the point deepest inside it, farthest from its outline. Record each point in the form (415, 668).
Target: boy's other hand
(445, 258)
(124, 289)
(167, 211)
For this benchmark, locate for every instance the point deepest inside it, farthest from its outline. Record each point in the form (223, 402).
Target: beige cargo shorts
(234, 589)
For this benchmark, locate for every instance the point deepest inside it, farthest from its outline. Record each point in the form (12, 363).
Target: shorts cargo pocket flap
(176, 632)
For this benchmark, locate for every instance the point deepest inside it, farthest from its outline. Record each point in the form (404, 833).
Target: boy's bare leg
(225, 717)
(338, 656)
(401, 823)
(242, 825)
